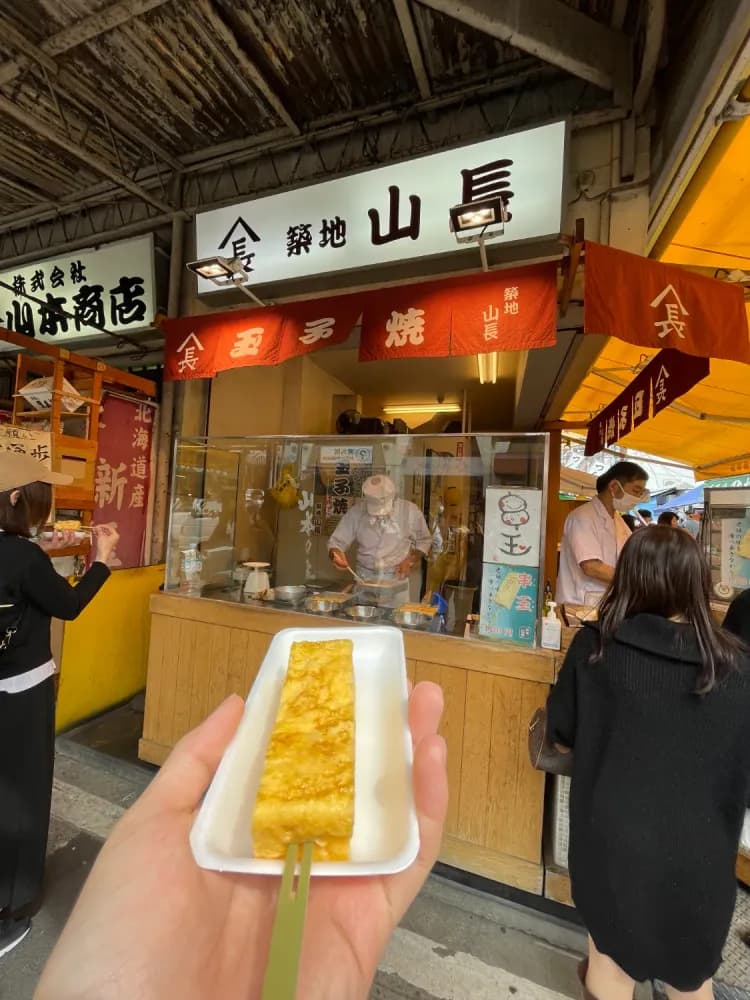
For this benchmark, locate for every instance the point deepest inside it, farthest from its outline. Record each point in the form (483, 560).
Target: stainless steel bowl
(410, 619)
(363, 612)
(321, 606)
(290, 593)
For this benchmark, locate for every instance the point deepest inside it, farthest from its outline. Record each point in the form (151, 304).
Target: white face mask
(627, 501)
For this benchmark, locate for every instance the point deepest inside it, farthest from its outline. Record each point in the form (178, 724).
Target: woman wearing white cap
(391, 536)
(31, 594)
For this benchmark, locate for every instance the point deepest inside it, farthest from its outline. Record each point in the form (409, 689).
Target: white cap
(379, 493)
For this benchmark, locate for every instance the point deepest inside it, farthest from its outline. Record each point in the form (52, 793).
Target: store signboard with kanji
(394, 213)
(24, 441)
(645, 302)
(511, 309)
(123, 474)
(669, 375)
(80, 294)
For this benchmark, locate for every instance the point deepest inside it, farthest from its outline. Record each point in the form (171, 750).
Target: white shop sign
(111, 288)
(22, 441)
(388, 214)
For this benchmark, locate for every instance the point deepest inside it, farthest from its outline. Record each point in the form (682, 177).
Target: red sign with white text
(667, 376)
(122, 485)
(513, 310)
(410, 321)
(650, 304)
(308, 326)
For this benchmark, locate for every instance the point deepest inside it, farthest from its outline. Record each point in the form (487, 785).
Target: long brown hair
(30, 511)
(663, 572)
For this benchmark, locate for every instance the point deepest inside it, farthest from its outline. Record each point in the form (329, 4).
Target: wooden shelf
(46, 414)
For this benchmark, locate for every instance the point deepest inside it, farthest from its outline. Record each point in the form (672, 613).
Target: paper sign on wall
(512, 526)
(509, 602)
(36, 444)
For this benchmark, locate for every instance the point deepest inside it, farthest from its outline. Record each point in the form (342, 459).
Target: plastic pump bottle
(551, 629)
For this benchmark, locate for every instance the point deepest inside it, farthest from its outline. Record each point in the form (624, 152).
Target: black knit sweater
(660, 785)
(29, 582)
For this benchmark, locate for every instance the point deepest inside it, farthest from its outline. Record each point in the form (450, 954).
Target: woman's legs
(706, 992)
(605, 979)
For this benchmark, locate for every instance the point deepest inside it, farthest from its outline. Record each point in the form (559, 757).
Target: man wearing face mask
(391, 535)
(595, 533)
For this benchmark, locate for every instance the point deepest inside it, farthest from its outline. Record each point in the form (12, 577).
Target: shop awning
(709, 429)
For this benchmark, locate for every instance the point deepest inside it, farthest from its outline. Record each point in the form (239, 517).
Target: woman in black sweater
(655, 702)
(31, 594)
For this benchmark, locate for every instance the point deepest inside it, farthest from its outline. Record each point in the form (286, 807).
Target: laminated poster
(735, 553)
(509, 603)
(512, 526)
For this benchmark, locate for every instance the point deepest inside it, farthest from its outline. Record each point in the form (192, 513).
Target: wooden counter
(202, 650)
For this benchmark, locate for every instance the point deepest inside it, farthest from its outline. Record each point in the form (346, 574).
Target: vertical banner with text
(123, 474)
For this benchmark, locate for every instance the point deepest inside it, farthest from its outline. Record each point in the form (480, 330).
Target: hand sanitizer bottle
(551, 629)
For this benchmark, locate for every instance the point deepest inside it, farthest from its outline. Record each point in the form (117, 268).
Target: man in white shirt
(595, 533)
(391, 535)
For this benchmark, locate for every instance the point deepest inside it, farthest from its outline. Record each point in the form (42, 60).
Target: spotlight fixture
(226, 273)
(479, 221)
(401, 408)
(479, 215)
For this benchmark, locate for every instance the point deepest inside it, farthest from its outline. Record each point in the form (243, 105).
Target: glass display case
(443, 533)
(726, 537)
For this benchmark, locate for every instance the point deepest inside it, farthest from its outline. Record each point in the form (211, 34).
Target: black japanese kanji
(37, 281)
(52, 320)
(396, 232)
(89, 306)
(237, 238)
(299, 238)
(57, 277)
(333, 232)
(126, 302)
(19, 284)
(488, 181)
(21, 319)
(77, 272)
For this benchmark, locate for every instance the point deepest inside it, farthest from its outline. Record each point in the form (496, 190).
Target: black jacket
(660, 785)
(29, 582)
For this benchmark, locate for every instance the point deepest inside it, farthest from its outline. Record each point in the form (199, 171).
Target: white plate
(386, 836)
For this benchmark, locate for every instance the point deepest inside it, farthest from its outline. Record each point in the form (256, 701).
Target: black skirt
(27, 754)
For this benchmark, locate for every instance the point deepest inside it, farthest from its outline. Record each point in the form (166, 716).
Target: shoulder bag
(543, 754)
(7, 632)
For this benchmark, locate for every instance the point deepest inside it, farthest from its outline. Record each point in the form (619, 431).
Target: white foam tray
(385, 839)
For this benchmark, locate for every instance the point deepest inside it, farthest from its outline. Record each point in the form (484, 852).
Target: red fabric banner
(651, 304)
(123, 474)
(509, 310)
(308, 326)
(669, 375)
(410, 321)
(513, 310)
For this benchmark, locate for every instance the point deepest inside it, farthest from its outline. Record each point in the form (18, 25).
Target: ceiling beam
(83, 30)
(554, 33)
(244, 63)
(71, 88)
(29, 122)
(411, 40)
